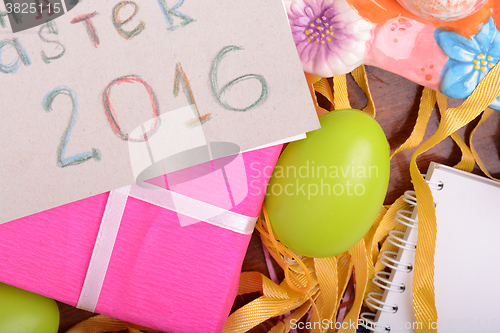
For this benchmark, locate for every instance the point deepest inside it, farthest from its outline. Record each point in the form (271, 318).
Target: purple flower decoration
(329, 35)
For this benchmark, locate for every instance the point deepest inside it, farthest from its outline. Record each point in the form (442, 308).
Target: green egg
(327, 190)
(24, 312)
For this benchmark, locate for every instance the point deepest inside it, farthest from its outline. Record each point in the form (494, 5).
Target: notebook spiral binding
(388, 258)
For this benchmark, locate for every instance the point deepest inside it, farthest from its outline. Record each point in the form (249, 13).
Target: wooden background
(397, 101)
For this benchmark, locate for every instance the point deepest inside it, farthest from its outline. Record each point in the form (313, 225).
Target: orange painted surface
(380, 11)
(496, 13)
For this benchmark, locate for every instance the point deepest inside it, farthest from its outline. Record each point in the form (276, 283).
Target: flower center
(319, 31)
(483, 62)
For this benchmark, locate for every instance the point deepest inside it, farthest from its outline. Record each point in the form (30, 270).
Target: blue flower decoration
(470, 60)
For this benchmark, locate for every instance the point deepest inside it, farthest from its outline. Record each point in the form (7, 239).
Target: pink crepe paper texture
(163, 276)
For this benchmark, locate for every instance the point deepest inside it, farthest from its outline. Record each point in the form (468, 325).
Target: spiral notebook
(467, 259)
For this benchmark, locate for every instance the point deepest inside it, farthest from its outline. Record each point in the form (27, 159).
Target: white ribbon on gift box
(161, 197)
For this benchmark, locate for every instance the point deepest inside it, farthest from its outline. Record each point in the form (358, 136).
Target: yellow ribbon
(311, 284)
(467, 161)
(364, 257)
(452, 120)
(375, 240)
(427, 102)
(323, 87)
(100, 323)
(486, 115)
(328, 278)
(341, 98)
(359, 75)
(360, 261)
(320, 85)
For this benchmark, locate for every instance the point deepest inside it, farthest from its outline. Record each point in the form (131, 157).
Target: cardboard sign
(115, 92)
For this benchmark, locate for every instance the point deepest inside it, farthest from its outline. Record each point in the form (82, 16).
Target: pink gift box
(167, 271)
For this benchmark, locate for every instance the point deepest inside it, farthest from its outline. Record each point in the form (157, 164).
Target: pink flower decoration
(331, 38)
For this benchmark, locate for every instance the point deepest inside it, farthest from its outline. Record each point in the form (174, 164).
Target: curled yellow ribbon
(102, 323)
(452, 120)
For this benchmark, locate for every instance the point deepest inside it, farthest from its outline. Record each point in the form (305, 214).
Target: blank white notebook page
(467, 259)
